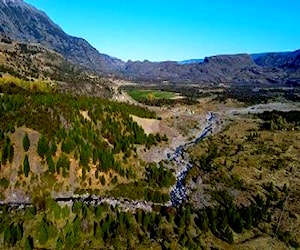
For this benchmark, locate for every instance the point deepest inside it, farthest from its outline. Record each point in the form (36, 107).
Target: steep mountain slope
(29, 61)
(22, 22)
(32, 63)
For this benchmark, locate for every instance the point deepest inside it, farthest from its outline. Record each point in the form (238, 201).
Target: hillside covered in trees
(66, 145)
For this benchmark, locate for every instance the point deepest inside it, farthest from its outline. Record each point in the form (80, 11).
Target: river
(183, 166)
(177, 192)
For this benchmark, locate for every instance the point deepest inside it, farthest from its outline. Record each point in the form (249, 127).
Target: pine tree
(4, 154)
(248, 218)
(53, 148)
(51, 165)
(7, 233)
(28, 243)
(26, 166)
(59, 243)
(68, 145)
(26, 142)
(42, 148)
(77, 227)
(43, 232)
(18, 232)
(64, 164)
(102, 180)
(97, 174)
(203, 221)
(11, 152)
(228, 235)
(238, 223)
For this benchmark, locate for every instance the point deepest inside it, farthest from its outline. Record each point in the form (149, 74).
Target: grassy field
(142, 94)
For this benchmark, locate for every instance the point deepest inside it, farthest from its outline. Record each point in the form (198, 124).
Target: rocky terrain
(22, 22)
(32, 62)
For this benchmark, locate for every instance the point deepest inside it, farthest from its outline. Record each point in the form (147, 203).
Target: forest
(97, 134)
(95, 141)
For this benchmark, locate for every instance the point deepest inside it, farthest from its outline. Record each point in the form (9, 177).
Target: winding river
(177, 192)
(183, 166)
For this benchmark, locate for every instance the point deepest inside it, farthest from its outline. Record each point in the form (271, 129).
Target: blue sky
(178, 29)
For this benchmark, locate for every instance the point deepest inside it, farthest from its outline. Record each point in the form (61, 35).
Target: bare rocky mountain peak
(6, 2)
(34, 26)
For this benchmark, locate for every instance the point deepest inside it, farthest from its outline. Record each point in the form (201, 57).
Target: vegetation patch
(252, 96)
(143, 94)
(155, 186)
(153, 97)
(9, 82)
(247, 175)
(79, 153)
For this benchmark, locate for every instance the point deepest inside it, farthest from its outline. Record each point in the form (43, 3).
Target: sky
(160, 30)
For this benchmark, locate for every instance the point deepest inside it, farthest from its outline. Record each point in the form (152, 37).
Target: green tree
(77, 206)
(29, 243)
(238, 223)
(64, 164)
(60, 243)
(7, 234)
(102, 180)
(68, 145)
(43, 232)
(13, 234)
(7, 151)
(18, 232)
(248, 217)
(53, 148)
(11, 153)
(203, 221)
(26, 166)
(51, 165)
(4, 183)
(26, 142)
(77, 227)
(42, 147)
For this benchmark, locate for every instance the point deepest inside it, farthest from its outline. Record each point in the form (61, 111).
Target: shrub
(4, 183)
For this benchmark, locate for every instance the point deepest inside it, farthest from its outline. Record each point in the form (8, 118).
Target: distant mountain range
(22, 22)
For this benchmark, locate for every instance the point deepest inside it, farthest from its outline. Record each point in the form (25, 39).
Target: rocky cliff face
(22, 22)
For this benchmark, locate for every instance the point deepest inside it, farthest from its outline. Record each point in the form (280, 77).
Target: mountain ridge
(23, 22)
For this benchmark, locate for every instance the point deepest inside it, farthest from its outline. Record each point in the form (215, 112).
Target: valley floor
(207, 174)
